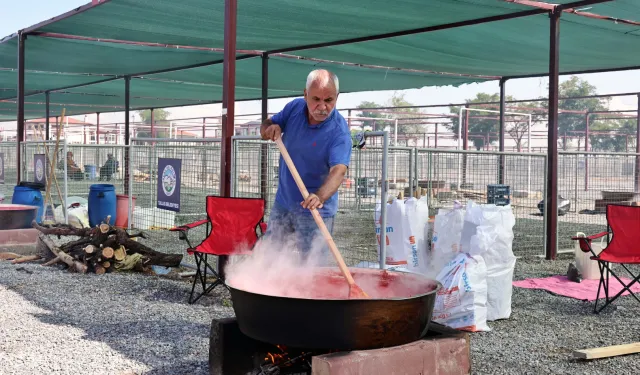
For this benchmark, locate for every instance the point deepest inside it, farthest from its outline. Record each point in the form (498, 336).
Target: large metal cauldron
(340, 324)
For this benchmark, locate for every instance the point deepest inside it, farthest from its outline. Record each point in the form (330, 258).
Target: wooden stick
(608, 351)
(75, 265)
(9, 256)
(318, 219)
(52, 262)
(25, 259)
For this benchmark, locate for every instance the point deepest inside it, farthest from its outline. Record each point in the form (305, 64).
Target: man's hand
(312, 202)
(269, 130)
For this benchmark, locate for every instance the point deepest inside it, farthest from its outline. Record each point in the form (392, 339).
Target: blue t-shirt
(314, 149)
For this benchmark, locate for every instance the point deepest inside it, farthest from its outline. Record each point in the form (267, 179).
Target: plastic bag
(447, 231)
(394, 233)
(416, 227)
(462, 301)
(488, 232)
(78, 215)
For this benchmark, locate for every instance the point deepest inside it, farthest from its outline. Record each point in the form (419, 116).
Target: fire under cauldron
(338, 323)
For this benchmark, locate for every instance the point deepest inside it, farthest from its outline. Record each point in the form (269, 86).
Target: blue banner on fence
(40, 172)
(169, 184)
(1, 168)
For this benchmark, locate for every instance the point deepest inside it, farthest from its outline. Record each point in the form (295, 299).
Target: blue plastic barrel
(102, 203)
(90, 170)
(29, 196)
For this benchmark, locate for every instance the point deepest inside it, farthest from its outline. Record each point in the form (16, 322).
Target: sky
(20, 14)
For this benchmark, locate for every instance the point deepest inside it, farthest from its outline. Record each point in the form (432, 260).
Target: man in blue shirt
(318, 140)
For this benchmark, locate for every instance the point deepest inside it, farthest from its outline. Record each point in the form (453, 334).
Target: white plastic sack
(78, 215)
(447, 231)
(462, 302)
(488, 232)
(394, 236)
(416, 227)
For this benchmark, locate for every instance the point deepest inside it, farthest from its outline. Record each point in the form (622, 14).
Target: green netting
(267, 25)
(204, 85)
(502, 48)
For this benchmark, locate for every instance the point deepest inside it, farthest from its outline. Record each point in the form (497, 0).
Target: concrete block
(446, 354)
(19, 241)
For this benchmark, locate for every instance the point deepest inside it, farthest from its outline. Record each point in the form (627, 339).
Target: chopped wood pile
(98, 250)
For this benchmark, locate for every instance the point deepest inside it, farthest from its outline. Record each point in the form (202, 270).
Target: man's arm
(328, 188)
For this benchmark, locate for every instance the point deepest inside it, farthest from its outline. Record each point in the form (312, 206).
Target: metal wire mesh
(447, 176)
(8, 149)
(199, 177)
(588, 182)
(95, 168)
(360, 192)
(58, 183)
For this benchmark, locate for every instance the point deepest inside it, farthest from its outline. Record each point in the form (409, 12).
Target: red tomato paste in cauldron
(329, 284)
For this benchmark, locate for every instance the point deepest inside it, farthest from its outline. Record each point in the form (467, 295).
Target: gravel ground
(52, 321)
(544, 329)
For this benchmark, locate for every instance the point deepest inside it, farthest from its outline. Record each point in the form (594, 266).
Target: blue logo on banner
(39, 168)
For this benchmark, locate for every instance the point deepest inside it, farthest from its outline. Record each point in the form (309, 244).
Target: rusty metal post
(47, 125)
(228, 94)
(127, 154)
(465, 146)
(551, 200)
(435, 141)
(264, 148)
(204, 127)
(228, 104)
(153, 127)
(586, 149)
(20, 119)
(98, 128)
(501, 131)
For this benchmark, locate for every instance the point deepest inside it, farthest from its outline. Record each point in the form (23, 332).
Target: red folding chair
(623, 248)
(234, 225)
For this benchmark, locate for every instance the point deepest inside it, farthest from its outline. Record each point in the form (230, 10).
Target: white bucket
(587, 267)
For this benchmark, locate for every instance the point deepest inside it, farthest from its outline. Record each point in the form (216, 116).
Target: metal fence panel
(448, 176)
(58, 187)
(8, 149)
(199, 178)
(589, 181)
(360, 193)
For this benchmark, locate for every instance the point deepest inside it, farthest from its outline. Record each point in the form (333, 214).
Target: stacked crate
(498, 194)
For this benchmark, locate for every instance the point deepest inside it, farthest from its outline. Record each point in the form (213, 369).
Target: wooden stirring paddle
(354, 290)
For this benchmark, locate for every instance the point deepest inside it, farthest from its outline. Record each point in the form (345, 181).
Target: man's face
(320, 102)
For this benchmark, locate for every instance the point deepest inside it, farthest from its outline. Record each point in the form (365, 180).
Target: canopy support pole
(264, 148)
(586, 149)
(20, 129)
(98, 128)
(228, 105)
(501, 169)
(551, 201)
(47, 114)
(127, 153)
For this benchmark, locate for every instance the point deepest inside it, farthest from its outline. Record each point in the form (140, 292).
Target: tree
(569, 123)
(611, 135)
(160, 117)
(370, 114)
(486, 123)
(409, 122)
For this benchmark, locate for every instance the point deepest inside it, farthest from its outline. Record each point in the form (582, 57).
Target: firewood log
(107, 253)
(72, 263)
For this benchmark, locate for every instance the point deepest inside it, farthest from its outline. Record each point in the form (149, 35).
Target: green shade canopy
(187, 69)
